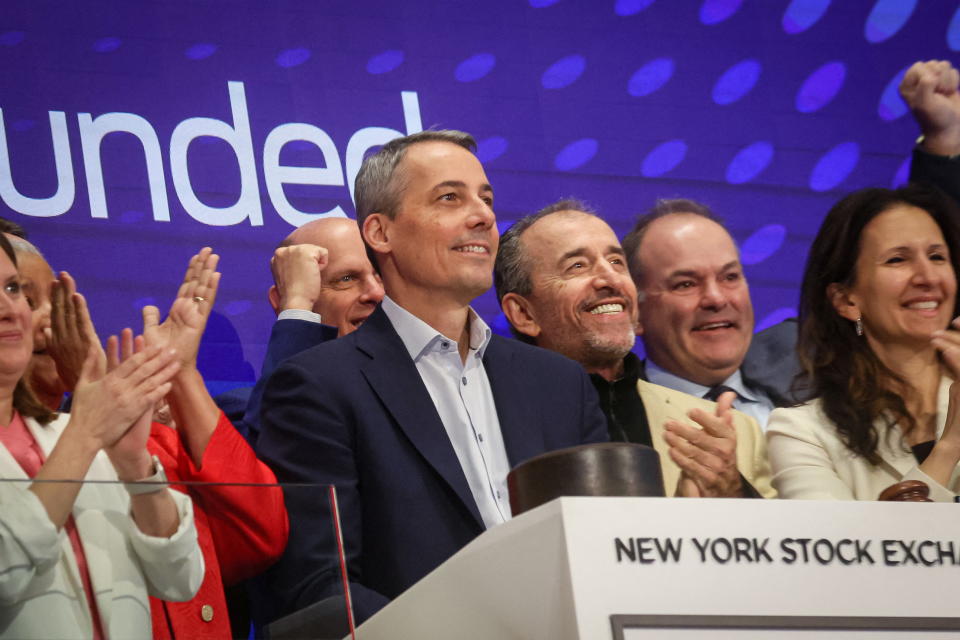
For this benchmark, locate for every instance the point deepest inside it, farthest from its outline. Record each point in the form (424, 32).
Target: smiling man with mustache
(695, 315)
(418, 415)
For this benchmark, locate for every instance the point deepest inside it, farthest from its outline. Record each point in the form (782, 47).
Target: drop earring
(858, 325)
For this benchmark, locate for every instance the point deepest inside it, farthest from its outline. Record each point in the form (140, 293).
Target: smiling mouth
(713, 326)
(925, 304)
(473, 248)
(610, 307)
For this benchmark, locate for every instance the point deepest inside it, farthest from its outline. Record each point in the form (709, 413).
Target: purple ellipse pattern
(650, 77)
(12, 38)
(501, 326)
(821, 87)
(576, 154)
(385, 62)
(902, 176)
(200, 51)
(563, 72)
(762, 243)
(953, 32)
(626, 8)
(736, 82)
(749, 162)
(475, 67)
(803, 14)
(290, 58)
(663, 158)
(107, 45)
(490, 149)
(716, 11)
(237, 307)
(775, 317)
(891, 105)
(887, 18)
(540, 4)
(835, 166)
(23, 125)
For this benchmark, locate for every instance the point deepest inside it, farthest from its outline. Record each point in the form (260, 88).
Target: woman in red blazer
(241, 529)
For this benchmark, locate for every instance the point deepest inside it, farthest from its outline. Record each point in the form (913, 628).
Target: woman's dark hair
(23, 399)
(854, 386)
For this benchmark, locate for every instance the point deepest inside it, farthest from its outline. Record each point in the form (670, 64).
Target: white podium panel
(632, 568)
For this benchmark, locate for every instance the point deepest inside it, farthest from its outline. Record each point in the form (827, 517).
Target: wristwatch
(150, 484)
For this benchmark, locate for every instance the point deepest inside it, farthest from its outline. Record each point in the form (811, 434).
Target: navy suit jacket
(287, 338)
(939, 171)
(355, 413)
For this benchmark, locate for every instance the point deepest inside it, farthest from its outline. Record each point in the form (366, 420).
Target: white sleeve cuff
(299, 314)
(938, 493)
(174, 565)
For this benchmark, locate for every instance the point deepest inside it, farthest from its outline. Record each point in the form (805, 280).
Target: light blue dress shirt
(751, 402)
(461, 393)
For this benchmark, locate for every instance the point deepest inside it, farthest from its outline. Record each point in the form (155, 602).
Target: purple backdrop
(134, 133)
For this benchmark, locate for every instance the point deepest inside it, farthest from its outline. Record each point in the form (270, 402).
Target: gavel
(907, 491)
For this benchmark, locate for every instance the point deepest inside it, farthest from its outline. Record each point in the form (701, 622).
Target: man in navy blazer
(416, 416)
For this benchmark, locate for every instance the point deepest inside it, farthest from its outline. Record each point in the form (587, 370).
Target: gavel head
(605, 469)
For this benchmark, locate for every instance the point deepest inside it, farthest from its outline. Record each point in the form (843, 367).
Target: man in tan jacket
(562, 281)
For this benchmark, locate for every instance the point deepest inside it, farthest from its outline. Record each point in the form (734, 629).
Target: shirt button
(464, 380)
(206, 613)
(445, 345)
(498, 494)
(480, 437)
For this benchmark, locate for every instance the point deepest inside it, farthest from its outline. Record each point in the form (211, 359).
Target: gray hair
(377, 188)
(664, 207)
(511, 270)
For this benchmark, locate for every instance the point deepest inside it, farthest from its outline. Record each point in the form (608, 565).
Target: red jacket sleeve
(248, 524)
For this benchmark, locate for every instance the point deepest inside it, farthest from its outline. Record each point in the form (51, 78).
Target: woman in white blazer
(77, 559)
(878, 295)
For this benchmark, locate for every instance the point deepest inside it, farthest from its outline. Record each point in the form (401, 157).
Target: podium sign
(632, 568)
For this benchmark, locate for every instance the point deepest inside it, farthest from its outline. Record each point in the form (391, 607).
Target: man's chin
(611, 346)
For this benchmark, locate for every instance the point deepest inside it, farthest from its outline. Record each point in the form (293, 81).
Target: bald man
(323, 287)
(321, 273)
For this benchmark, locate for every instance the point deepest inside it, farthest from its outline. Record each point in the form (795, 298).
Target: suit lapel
(659, 409)
(893, 451)
(519, 422)
(396, 381)
(87, 498)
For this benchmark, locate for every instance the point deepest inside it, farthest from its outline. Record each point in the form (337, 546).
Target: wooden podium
(597, 568)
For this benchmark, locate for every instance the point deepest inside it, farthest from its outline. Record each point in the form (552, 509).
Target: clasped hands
(707, 457)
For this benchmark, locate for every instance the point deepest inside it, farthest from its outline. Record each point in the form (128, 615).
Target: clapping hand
(71, 335)
(707, 457)
(185, 324)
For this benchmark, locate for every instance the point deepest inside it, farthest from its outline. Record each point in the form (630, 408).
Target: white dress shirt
(461, 393)
(751, 402)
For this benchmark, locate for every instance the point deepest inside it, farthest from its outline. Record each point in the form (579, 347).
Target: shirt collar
(664, 378)
(631, 372)
(418, 337)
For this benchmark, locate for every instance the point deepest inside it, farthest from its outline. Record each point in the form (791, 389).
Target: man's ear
(274, 297)
(376, 232)
(843, 302)
(518, 311)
